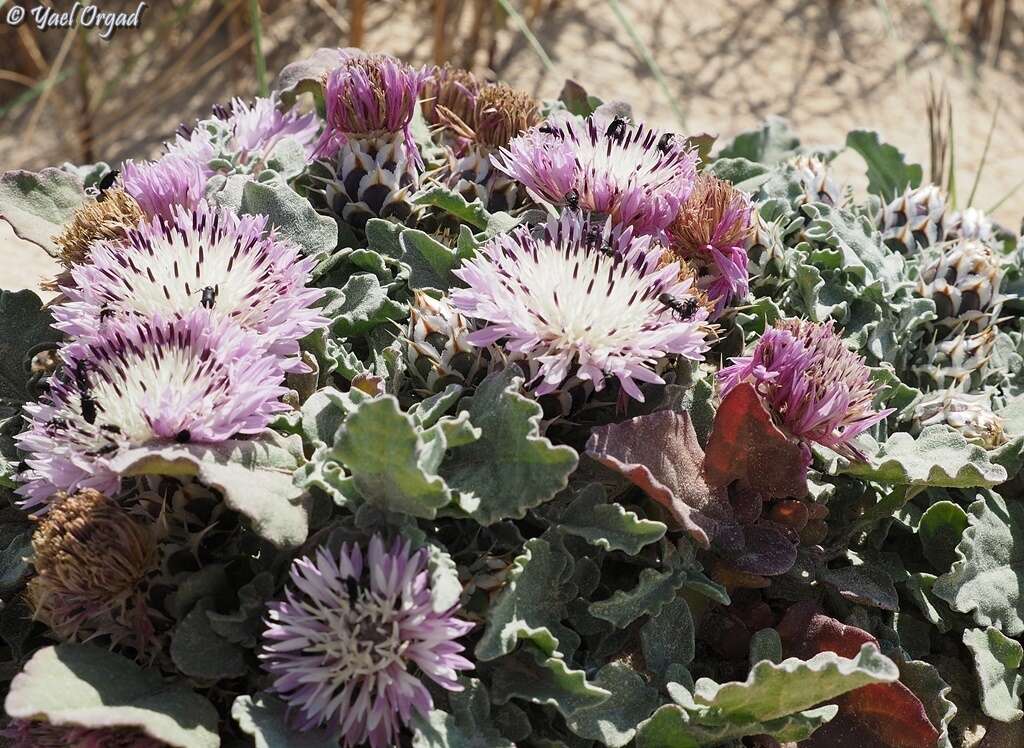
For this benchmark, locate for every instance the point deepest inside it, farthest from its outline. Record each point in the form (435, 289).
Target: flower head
(95, 220)
(369, 95)
(449, 91)
(637, 175)
(353, 638)
(90, 557)
(817, 388)
(582, 302)
(27, 733)
(141, 382)
(711, 233)
(502, 113)
(207, 258)
(160, 186)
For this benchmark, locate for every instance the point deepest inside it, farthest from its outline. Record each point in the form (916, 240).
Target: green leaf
(776, 699)
(243, 626)
(361, 305)
(264, 717)
(939, 456)
(430, 262)
(648, 597)
(888, 172)
(531, 676)
(391, 465)
(533, 603)
(990, 563)
(468, 726)
(997, 660)
(668, 638)
(511, 468)
(200, 652)
(608, 525)
(254, 476)
(292, 214)
(941, 527)
(577, 100)
(933, 692)
(37, 205)
(866, 584)
(768, 144)
(305, 75)
(24, 324)
(452, 202)
(85, 685)
(613, 722)
(765, 644)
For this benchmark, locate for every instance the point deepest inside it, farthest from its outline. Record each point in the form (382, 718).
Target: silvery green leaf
(198, 651)
(888, 172)
(613, 722)
(361, 305)
(767, 144)
(468, 725)
(265, 718)
(940, 530)
(997, 661)
(933, 692)
(667, 639)
(608, 524)
(37, 205)
(530, 675)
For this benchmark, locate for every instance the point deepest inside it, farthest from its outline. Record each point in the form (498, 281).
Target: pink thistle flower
(161, 186)
(366, 96)
(139, 383)
(710, 234)
(352, 641)
(582, 302)
(27, 733)
(259, 126)
(636, 174)
(814, 385)
(213, 258)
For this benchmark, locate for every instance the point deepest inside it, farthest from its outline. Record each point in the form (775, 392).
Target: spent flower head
(637, 175)
(818, 389)
(582, 301)
(355, 637)
(710, 234)
(144, 382)
(211, 258)
(97, 220)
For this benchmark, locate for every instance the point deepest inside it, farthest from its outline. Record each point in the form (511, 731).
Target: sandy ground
(828, 66)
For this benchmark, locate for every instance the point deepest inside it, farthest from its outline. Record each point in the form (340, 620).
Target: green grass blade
(524, 28)
(952, 46)
(951, 181)
(1013, 191)
(256, 22)
(644, 52)
(984, 153)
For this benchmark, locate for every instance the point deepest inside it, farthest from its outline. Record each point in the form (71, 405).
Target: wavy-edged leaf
(997, 661)
(769, 143)
(608, 524)
(38, 204)
(529, 675)
(651, 593)
(888, 172)
(76, 684)
(469, 725)
(533, 603)
(452, 202)
(265, 718)
(985, 578)
(430, 262)
(933, 692)
(940, 530)
(938, 456)
(667, 638)
(660, 454)
(866, 584)
(255, 478)
(511, 468)
(613, 722)
(361, 305)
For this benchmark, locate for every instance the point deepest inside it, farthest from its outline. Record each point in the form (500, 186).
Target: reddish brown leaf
(886, 715)
(745, 445)
(660, 454)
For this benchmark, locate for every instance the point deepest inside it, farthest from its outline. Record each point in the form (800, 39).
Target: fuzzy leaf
(648, 597)
(997, 660)
(888, 172)
(200, 652)
(305, 75)
(254, 476)
(924, 680)
(577, 100)
(531, 676)
(608, 525)
(37, 205)
(767, 144)
(88, 686)
(940, 530)
(671, 727)
(613, 722)
(985, 578)
(24, 324)
(511, 468)
(243, 626)
(391, 465)
(264, 717)
(448, 200)
(888, 714)
(939, 456)
(746, 445)
(660, 454)
(668, 637)
(361, 305)
(533, 603)
(430, 262)
(866, 584)
(468, 726)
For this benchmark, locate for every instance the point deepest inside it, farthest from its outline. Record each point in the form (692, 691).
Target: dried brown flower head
(450, 91)
(108, 218)
(91, 557)
(501, 113)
